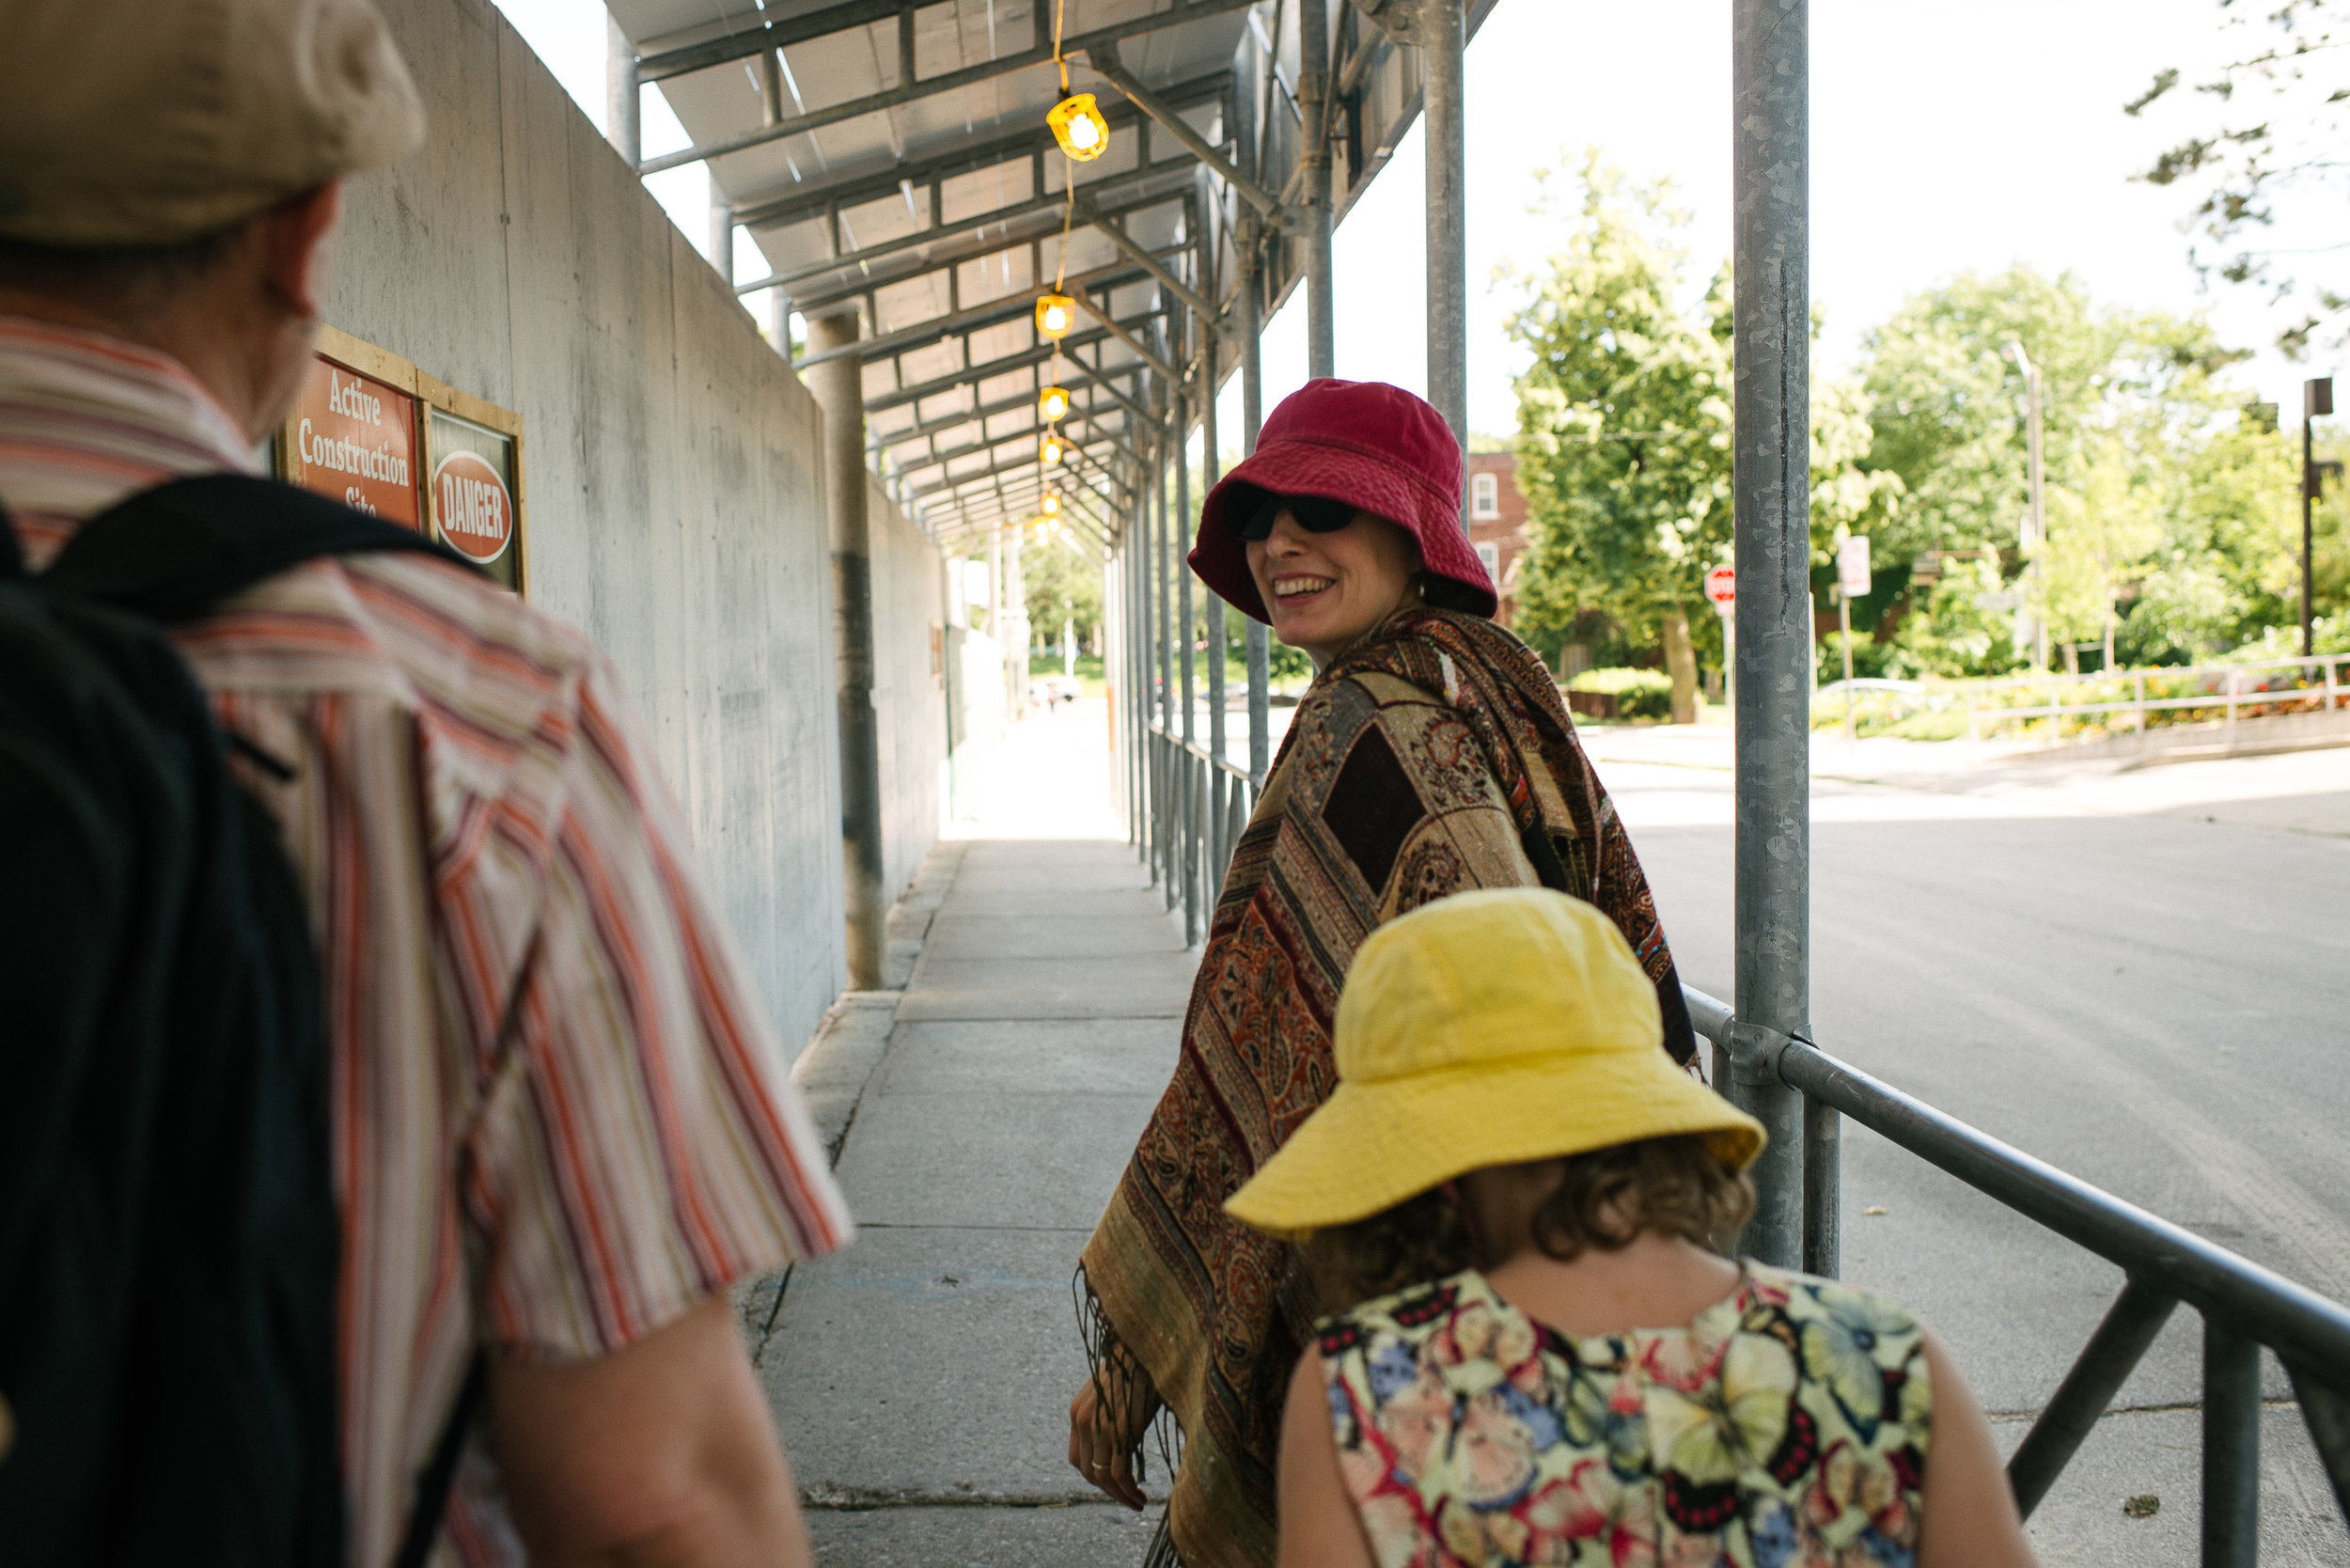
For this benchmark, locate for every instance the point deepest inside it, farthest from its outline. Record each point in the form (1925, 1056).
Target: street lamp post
(2036, 509)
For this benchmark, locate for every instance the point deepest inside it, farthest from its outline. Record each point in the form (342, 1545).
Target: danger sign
(1721, 588)
(471, 507)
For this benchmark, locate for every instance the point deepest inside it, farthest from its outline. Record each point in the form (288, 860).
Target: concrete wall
(671, 462)
(909, 687)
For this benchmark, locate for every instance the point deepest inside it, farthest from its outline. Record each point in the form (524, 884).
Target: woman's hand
(1101, 1445)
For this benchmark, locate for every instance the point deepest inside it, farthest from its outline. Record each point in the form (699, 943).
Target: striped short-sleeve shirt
(481, 831)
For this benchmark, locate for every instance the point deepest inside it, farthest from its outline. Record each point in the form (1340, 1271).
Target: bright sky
(1945, 140)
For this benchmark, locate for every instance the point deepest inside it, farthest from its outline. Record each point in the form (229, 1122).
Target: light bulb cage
(1056, 315)
(1049, 448)
(1052, 404)
(1080, 127)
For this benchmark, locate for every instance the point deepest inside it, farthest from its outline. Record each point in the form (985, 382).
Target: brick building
(1496, 520)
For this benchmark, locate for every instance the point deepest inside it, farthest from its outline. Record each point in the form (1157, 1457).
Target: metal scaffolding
(890, 159)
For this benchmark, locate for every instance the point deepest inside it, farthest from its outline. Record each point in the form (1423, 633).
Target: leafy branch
(2290, 139)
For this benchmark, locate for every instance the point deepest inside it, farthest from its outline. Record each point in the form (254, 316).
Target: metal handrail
(1194, 806)
(2244, 1305)
(2230, 691)
(1196, 750)
(2069, 677)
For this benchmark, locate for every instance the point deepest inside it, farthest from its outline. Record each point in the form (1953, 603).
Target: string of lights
(1083, 134)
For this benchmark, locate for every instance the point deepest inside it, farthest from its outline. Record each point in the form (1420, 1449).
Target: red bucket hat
(1371, 445)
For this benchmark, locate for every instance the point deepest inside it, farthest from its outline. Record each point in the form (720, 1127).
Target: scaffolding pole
(1313, 104)
(1445, 131)
(1771, 254)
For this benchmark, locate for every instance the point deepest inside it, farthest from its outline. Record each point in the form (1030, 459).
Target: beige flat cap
(134, 123)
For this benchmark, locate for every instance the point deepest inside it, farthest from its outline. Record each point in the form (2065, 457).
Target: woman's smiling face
(1326, 590)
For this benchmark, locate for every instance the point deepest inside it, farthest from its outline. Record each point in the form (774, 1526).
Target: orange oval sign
(471, 505)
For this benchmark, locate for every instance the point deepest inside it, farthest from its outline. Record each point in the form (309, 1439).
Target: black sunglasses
(1316, 515)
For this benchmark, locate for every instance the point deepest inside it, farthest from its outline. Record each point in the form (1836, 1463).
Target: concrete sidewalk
(922, 1378)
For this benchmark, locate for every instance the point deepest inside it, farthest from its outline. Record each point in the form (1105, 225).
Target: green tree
(1625, 428)
(2226, 565)
(1623, 424)
(1062, 585)
(2142, 469)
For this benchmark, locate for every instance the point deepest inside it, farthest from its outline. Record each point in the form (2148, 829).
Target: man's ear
(294, 239)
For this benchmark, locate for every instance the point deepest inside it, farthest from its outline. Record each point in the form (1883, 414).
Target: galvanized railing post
(1313, 106)
(1175, 781)
(2231, 1447)
(1220, 849)
(1255, 646)
(1187, 639)
(1169, 844)
(1130, 664)
(1770, 88)
(1444, 126)
(1145, 607)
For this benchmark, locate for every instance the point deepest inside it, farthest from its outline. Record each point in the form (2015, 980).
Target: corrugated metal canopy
(892, 157)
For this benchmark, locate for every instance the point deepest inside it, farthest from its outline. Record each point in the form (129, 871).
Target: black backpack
(168, 1240)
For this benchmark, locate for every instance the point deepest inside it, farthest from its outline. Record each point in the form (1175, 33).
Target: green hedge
(1638, 692)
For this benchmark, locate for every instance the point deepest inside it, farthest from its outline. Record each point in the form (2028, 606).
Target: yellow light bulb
(1080, 128)
(1049, 449)
(1052, 505)
(1056, 314)
(1053, 404)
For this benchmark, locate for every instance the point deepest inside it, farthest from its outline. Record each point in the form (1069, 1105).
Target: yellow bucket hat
(1487, 1028)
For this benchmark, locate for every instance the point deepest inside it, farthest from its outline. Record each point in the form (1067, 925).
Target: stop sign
(1721, 586)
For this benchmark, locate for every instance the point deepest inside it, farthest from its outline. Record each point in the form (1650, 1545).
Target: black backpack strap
(175, 552)
(11, 553)
(439, 1474)
(438, 1479)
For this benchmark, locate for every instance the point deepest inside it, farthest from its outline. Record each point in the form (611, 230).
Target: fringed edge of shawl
(1119, 1379)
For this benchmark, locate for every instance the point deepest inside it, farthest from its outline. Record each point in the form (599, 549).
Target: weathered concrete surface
(1098, 1536)
(922, 1378)
(909, 688)
(2158, 1453)
(673, 491)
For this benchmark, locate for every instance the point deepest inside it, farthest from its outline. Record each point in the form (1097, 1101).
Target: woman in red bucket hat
(1432, 755)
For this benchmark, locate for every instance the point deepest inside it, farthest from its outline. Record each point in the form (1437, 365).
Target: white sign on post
(1721, 588)
(1852, 565)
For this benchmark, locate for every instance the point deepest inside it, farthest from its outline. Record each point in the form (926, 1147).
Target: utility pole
(2036, 515)
(2317, 398)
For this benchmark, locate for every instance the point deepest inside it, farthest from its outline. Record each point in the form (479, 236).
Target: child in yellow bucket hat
(1553, 1365)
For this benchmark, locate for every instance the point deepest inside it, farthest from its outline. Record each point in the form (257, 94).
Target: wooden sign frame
(353, 353)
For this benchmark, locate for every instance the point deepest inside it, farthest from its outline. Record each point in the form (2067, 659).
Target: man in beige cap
(561, 1126)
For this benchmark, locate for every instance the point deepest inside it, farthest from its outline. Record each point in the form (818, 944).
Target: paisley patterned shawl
(1432, 757)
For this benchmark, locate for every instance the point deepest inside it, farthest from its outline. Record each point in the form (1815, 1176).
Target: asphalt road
(2139, 976)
